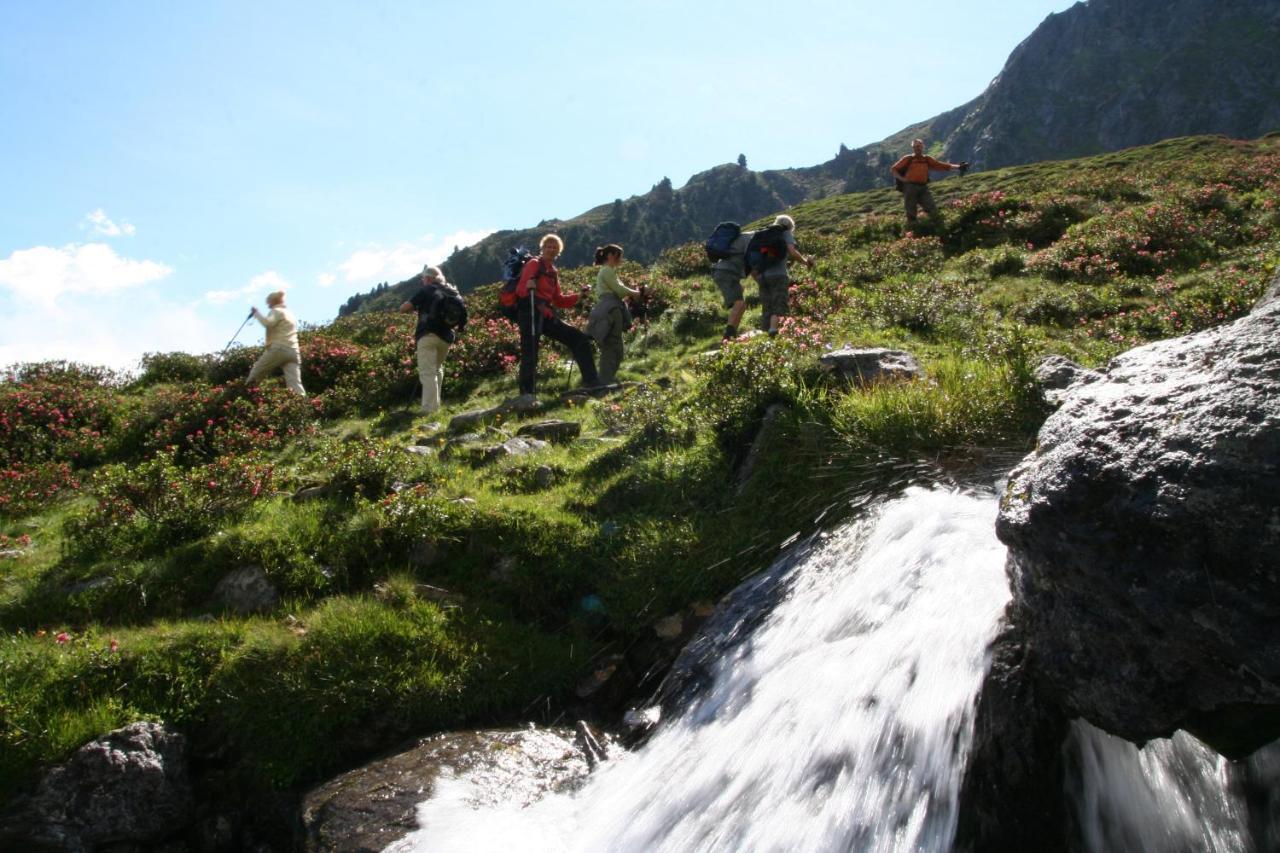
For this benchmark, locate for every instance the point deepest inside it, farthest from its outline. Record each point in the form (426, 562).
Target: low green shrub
(157, 503)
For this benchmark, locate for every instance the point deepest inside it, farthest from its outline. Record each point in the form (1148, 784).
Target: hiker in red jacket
(913, 171)
(537, 298)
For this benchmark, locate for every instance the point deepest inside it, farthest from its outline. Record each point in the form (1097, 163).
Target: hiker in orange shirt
(912, 176)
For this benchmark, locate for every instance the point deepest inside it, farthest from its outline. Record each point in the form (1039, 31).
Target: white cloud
(326, 279)
(257, 288)
(102, 225)
(109, 331)
(396, 263)
(41, 274)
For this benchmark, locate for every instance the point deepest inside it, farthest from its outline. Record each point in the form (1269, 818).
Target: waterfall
(1174, 795)
(842, 723)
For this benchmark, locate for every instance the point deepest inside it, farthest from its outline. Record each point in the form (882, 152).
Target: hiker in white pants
(442, 314)
(282, 344)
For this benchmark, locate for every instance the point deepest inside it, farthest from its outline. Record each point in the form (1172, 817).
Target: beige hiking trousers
(431, 353)
(284, 357)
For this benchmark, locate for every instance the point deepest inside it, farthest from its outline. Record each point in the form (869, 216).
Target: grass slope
(125, 500)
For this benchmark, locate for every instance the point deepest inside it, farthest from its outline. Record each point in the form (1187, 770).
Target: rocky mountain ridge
(1100, 76)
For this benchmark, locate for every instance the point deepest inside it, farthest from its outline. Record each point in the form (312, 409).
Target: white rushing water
(1172, 796)
(842, 723)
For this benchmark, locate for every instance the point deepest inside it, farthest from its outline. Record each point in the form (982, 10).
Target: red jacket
(547, 290)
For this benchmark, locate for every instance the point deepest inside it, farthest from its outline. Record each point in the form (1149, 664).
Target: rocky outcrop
(1057, 376)
(1143, 536)
(374, 806)
(129, 787)
(1011, 798)
(865, 367)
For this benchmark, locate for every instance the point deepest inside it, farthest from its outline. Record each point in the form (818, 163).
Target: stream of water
(843, 723)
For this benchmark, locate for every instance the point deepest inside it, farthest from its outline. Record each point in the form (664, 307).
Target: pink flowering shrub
(158, 502)
(206, 422)
(1147, 239)
(27, 489)
(56, 411)
(326, 359)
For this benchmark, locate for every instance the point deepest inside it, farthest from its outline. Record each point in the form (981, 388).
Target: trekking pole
(236, 335)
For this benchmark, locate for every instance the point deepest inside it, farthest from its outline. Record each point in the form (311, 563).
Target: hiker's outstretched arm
(406, 307)
(795, 255)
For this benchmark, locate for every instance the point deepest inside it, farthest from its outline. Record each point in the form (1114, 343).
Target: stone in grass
(862, 368)
(313, 493)
(544, 477)
(246, 590)
(468, 421)
(509, 449)
(420, 450)
(127, 788)
(552, 430)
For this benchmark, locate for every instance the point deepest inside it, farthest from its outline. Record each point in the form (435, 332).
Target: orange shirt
(918, 169)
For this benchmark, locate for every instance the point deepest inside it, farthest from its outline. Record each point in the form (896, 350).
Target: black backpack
(511, 269)
(720, 244)
(448, 309)
(767, 248)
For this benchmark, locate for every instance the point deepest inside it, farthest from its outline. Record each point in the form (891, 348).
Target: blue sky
(164, 165)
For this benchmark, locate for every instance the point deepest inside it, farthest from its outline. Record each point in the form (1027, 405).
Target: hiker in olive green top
(913, 173)
(610, 317)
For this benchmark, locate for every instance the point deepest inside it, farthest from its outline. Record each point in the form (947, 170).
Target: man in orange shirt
(913, 170)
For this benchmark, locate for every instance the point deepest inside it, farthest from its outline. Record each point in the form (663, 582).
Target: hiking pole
(236, 335)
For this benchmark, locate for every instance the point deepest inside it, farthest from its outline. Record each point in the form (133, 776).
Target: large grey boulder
(1058, 376)
(374, 806)
(128, 787)
(864, 367)
(1144, 537)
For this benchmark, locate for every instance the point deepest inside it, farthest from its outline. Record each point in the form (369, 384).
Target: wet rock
(601, 674)
(509, 449)
(864, 367)
(246, 590)
(127, 788)
(1143, 535)
(1011, 797)
(733, 619)
(669, 628)
(553, 430)
(1057, 376)
(375, 806)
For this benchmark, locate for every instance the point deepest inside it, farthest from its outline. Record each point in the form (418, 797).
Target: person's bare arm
(406, 308)
(794, 254)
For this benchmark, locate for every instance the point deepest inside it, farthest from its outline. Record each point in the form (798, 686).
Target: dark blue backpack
(766, 248)
(720, 243)
(511, 269)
